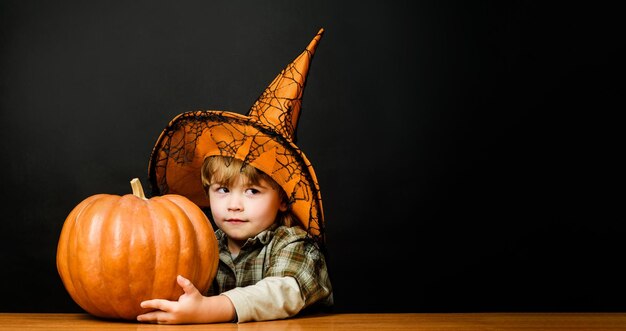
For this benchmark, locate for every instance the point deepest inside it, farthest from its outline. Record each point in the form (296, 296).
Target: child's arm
(191, 307)
(269, 299)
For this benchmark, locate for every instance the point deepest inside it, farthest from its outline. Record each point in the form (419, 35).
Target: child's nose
(234, 203)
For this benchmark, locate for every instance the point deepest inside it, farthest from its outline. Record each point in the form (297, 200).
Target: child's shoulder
(289, 233)
(288, 240)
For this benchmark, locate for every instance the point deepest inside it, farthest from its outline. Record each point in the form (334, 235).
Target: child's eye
(222, 189)
(252, 191)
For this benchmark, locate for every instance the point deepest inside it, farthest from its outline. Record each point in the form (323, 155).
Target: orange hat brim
(179, 153)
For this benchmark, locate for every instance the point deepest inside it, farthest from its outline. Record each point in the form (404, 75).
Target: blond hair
(226, 170)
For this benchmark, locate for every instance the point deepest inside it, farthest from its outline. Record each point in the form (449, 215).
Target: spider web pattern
(183, 143)
(279, 105)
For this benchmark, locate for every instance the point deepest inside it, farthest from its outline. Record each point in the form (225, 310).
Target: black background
(467, 152)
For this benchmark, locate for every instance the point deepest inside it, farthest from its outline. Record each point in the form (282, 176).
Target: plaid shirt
(276, 252)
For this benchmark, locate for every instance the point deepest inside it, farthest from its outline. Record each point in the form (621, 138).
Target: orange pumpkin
(116, 251)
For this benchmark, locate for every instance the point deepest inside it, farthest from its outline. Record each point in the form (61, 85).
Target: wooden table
(338, 322)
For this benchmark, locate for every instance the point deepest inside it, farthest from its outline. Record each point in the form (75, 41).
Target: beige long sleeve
(269, 299)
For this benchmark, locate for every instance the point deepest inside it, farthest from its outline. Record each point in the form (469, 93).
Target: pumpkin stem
(137, 189)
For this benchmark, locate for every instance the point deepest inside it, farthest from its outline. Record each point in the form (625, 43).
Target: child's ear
(283, 207)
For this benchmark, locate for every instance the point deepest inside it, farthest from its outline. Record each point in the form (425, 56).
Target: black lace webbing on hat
(180, 140)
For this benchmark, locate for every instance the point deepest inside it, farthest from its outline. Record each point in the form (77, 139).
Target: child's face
(244, 210)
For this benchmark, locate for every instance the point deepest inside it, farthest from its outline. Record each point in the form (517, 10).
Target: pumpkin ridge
(153, 249)
(138, 255)
(186, 264)
(104, 203)
(63, 246)
(204, 240)
(166, 252)
(184, 241)
(111, 251)
(124, 220)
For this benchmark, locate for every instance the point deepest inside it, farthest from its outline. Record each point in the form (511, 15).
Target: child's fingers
(159, 317)
(160, 304)
(186, 284)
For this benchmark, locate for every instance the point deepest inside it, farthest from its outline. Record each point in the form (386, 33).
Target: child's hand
(185, 310)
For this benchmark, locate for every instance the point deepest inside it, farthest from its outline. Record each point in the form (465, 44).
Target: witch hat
(264, 138)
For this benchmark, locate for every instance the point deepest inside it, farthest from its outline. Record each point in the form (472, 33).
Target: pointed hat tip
(315, 41)
(279, 105)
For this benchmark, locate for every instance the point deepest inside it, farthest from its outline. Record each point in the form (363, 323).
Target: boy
(264, 198)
